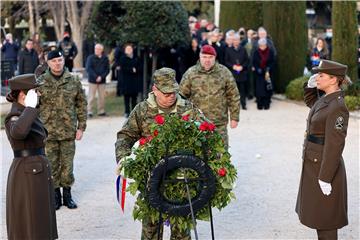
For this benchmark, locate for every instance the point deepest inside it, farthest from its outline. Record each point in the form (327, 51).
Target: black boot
(57, 198)
(67, 198)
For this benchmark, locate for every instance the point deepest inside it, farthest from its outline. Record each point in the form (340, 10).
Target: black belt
(317, 140)
(29, 152)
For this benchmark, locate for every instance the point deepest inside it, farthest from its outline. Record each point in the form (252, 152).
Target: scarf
(264, 56)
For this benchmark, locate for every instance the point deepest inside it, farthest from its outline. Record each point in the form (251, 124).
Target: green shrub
(354, 89)
(295, 90)
(352, 102)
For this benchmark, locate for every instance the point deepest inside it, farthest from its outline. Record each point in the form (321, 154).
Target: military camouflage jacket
(214, 92)
(140, 119)
(62, 105)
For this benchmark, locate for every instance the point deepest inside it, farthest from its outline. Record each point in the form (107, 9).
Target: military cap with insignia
(332, 68)
(23, 82)
(54, 54)
(164, 80)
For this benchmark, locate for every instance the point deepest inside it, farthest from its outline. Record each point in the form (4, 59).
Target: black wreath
(206, 185)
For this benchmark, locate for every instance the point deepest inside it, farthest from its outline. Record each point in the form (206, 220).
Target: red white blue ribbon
(121, 186)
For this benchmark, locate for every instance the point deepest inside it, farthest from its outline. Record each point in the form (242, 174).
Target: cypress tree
(285, 22)
(240, 14)
(345, 36)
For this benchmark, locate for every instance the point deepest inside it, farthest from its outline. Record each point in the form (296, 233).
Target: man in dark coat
(28, 58)
(322, 198)
(129, 78)
(30, 207)
(9, 50)
(69, 51)
(237, 60)
(97, 67)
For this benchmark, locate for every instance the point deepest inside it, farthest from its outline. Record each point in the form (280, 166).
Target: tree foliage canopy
(149, 24)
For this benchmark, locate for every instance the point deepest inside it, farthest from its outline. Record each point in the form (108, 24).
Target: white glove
(325, 187)
(119, 170)
(312, 81)
(31, 98)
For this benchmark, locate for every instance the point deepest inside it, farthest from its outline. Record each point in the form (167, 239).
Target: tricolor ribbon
(121, 184)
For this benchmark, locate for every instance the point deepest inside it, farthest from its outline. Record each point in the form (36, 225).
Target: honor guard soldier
(322, 198)
(30, 208)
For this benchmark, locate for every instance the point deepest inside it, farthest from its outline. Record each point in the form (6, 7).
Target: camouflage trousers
(61, 157)
(150, 232)
(222, 130)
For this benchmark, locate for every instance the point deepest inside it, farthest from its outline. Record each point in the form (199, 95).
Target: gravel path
(266, 149)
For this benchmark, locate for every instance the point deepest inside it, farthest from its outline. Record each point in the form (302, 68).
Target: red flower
(142, 141)
(204, 126)
(222, 172)
(185, 117)
(211, 127)
(149, 138)
(159, 119)
(156, 132)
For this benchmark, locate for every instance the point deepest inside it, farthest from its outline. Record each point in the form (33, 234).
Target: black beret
(54, 54)
(23, 82)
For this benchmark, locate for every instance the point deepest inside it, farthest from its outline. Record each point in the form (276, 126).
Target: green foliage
(295, 90)
(345, 36)
(285, 21)
(153, 24)
(246, 14)
(352, 102)
(179, 135)
(104, 21)
(354, 89)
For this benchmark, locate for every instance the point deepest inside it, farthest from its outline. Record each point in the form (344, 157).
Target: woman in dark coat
(129, 78)
(322, 198)
(30, 212)
(263, 62)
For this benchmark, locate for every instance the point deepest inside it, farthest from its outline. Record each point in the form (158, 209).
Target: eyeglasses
(167, 94)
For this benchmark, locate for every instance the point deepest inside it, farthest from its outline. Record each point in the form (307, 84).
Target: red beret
(207, 49)
(66, 34)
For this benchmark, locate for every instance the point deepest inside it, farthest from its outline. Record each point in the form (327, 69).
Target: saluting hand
(31, 98)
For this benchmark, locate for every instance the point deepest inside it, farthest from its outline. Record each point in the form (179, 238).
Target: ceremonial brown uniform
(322, 160)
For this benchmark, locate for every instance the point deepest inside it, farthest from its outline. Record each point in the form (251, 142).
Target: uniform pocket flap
(33, 168)
(313, 156)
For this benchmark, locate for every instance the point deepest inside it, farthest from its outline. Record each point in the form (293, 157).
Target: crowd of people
(210, 79)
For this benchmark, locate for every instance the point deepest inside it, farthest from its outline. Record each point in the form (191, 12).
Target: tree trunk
(32, 24)
(57, 9)
(154, 62)
(37, 16)
(78, 19)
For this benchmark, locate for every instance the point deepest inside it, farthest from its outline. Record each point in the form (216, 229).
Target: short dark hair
(13, 95)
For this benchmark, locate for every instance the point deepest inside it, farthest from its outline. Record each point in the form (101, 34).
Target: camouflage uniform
(63, 111)
(138, 125)
(214, 92)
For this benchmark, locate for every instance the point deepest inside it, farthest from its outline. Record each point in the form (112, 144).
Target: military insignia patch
(339, 124)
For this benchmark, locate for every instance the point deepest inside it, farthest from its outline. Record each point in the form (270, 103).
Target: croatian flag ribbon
(121, 185)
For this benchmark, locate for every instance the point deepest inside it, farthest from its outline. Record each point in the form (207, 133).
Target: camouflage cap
(164, 80)
(23, 82)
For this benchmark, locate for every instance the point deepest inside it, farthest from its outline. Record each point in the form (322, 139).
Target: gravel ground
(266, 149)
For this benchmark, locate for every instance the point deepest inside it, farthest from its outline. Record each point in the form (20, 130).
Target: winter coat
(97, 66)
(30, 207)
(237, 56)
(328, 119)
(10, 51)
(262, 87)
(129, 83)
(28, 61)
